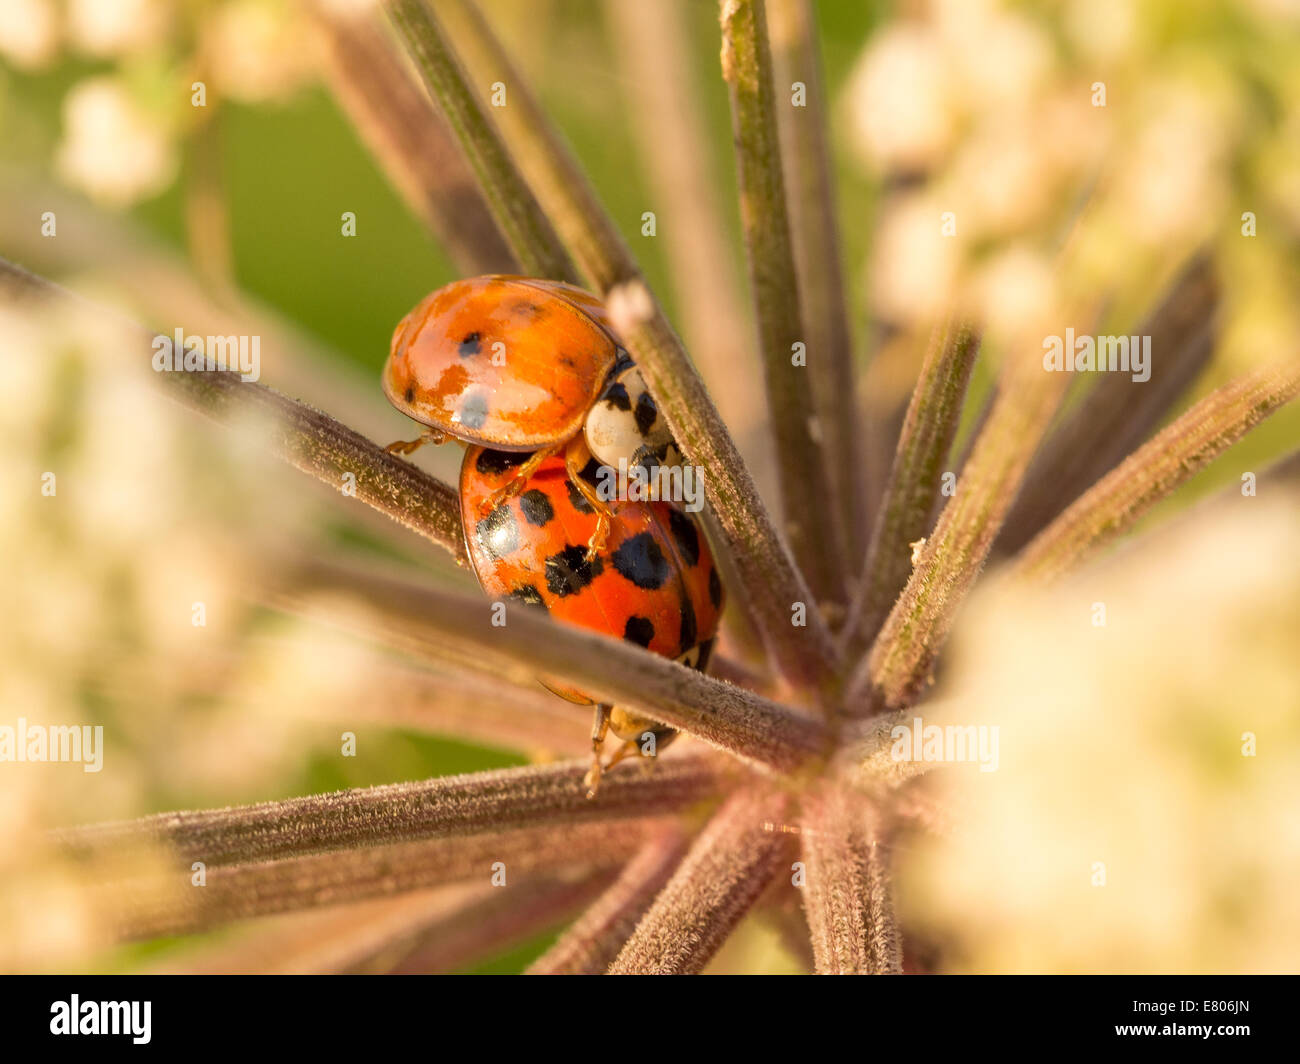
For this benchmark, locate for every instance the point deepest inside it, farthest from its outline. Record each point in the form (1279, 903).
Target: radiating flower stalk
(785, 773)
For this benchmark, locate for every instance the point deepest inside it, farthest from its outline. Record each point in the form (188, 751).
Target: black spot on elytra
(690, 630)
(469, 346)
(715, 589)
(528, 595)
(617, 397)
(646, 413)
(577, 500)
(527, 310)
(537, 507)
(494, 463)
(685, 535)
(639, 630)
(473, 410)
(568, 572)
(498, 532)
(641, 560)
(409, 394)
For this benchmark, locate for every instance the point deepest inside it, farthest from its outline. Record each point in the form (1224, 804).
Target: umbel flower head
(1077, 762)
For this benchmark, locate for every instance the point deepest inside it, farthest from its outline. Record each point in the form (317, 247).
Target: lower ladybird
(653, 582)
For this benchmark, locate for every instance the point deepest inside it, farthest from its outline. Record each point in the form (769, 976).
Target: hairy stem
(449, 806)
(174, 904)
(411, 141)
(806, 485)
(770, 585)
(320, 943)
(433, 624)
(494, 922)
(814, 230)
(592, 944)
(847, 890)
(723, 874)
(525, 226)
(459, 702)
(898, 666)
(866, 755)
(913, 488)
(675, 149)
(307, 439)
(1119, 414)
(1182, 449)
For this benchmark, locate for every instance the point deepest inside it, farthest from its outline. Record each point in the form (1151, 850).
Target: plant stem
(1119, 414)
(433, 624)
(496, 921)
(809, 501)
(726, 870)
(448, 806)
(458, 702)
(593, 943)
(1186, 446)
(336, 940)
(866, 755)
(770, 584)
(814, 231)
(411, 140)
(898, 667)
(307, 439)
(662, 72)
(847, 891)
(913, 488)
(169, 904)
(525, 226)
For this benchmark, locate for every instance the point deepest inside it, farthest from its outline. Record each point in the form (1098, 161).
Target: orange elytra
(511, 363)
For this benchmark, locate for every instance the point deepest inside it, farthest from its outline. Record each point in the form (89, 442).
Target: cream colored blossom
(999, 61)
(1101, 29)
(1013, 290)
(348, 8)
(111, 148)
(112, 27)
(257, 50)
(1001, 179)
(899, 99)
(28, 32)
(1142, 815)
(914, 264)
(1171, 175)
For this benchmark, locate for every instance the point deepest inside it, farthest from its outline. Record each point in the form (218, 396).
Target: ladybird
(509, 363)
(523, 365)
(653, 582)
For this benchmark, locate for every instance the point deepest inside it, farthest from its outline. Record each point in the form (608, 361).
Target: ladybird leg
(411, 446)
(516, 483)
(597, 542)
(627, 749)
(576, 456)
(599, 729)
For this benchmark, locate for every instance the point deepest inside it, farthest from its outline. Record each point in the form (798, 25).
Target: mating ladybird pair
(531, 374)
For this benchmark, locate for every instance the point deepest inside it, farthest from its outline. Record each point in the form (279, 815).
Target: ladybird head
(625, 424)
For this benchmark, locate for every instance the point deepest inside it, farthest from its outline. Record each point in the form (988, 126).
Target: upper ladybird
(511, 363)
